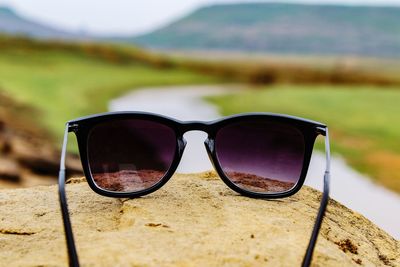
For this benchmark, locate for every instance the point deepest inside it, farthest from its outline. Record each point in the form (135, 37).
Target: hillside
(13, 23)
(284, 28)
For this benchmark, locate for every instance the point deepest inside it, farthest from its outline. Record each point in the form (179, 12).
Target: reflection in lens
(261, 156)
(130, 155)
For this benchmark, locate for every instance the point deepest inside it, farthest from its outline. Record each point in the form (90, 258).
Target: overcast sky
(126, 16)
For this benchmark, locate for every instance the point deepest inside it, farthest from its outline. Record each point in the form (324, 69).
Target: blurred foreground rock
(194, 220)
(28, 156)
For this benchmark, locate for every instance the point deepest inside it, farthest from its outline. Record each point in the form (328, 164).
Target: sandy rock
(9, 170)
(194, 220)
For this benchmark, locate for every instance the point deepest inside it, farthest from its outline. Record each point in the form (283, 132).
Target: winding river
(186, 103)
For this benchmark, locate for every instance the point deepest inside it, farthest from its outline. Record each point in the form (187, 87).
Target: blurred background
(337, 62)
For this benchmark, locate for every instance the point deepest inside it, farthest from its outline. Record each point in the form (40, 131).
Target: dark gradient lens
(261, 156)
(130, 155)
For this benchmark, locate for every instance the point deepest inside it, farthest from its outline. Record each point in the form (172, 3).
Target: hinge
(73, 127)
(321, 130)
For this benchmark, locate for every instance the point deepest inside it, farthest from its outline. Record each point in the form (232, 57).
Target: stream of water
(349, 187)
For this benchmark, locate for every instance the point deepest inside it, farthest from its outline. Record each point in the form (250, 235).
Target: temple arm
(324, 202)
(72, 255)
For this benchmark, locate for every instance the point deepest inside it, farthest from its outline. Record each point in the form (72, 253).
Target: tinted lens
(130, 155)
(261, 156)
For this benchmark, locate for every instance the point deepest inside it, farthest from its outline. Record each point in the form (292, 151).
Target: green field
(364, 121)
(63, 85)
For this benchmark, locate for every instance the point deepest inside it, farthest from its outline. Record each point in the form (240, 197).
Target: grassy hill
(284, 28)
(43, 84)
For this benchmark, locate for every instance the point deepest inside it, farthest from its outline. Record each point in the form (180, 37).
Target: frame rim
(309, 138)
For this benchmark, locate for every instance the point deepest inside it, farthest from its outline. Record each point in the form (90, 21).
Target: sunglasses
(131, 154)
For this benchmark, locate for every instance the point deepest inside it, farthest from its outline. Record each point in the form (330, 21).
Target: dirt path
(348, 186)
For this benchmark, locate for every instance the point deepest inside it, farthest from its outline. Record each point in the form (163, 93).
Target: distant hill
(12, 23)
(283, 28)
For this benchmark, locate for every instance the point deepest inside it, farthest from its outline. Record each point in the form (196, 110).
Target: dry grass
(249, 72)
(386, 167)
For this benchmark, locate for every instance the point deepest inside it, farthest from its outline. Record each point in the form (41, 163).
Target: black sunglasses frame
(82, 127)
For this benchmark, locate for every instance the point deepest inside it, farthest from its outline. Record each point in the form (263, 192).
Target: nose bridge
(194, 159)
(195, 126)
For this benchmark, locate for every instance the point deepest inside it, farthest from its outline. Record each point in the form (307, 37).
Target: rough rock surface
(194, 220)
(28, 156)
